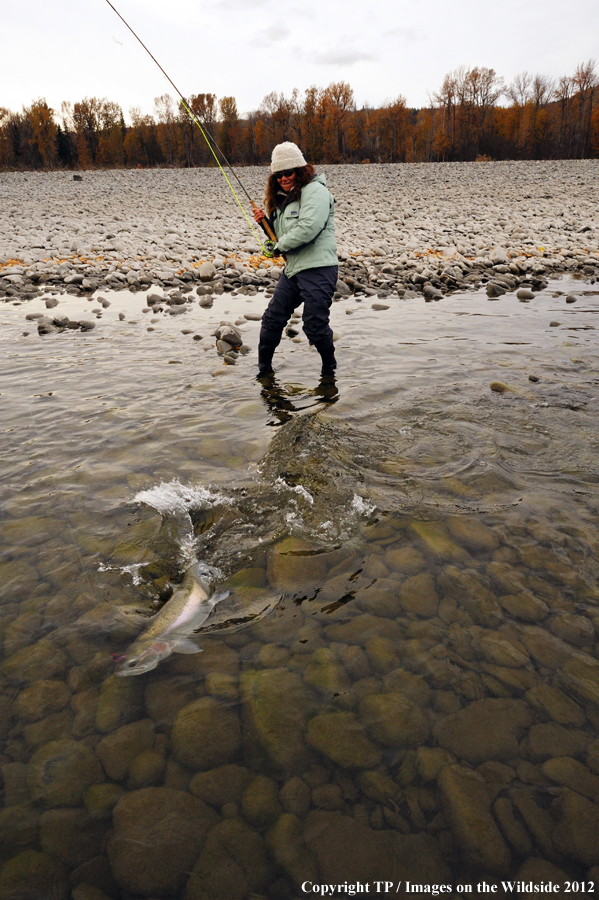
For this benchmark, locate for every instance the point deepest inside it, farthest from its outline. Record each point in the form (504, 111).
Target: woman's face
(287, 179)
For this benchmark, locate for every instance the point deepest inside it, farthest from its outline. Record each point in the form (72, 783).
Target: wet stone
(327, 676)
(558, 706)
(120, 701)
(473, 534)
(291, 566)
(380, 598)
(341, 737)
(393, 720)
(260, 802)
(100, 799)
(173, 824)
(53, 727)
(61, 771)
(419, 596)
(34, 876)
(577, 630)
(468, 808)
(233, 864)
(276, 706)
(512, 829)
(548, 739)
(525, 606)
(405, 560)
(359, 629)
(222, 785)
(117, 751)
(165, 697)
(40, 661)
(71, 835)
(295, 797)
(95, 873)
(146, 769)
(577, 832)
(345, 850)
(205, 734)
(572, 774)
(19, 827)
(486, 729)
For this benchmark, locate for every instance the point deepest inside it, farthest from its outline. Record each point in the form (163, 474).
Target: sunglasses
(286, 174)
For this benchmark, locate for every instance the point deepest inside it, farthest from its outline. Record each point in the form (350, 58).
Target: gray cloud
(269, 36)
(409, 35)
(343, 57)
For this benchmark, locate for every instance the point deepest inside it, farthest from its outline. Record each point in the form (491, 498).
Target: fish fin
(216, 598)
(186, 647)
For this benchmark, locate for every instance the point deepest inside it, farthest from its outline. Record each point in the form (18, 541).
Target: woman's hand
(259, 214)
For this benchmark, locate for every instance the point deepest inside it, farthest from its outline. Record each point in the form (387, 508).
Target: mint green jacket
(303, 220)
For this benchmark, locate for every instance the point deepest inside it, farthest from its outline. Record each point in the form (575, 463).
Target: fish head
(142, 657)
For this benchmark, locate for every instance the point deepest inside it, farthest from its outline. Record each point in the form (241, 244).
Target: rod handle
(265, 224)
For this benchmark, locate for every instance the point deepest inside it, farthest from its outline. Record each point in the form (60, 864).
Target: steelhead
(169, 630)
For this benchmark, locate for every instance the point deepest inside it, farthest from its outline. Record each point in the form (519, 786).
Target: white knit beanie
(286, 156)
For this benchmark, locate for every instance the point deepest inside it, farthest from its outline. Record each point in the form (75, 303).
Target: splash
(361, 506)
(172, 498)
(132, 570)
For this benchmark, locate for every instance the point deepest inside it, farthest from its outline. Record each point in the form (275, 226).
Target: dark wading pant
(314, 288)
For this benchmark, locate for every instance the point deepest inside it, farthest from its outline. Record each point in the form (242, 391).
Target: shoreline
(403, 229)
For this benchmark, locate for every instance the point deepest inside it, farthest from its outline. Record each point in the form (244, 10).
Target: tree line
(474, 115)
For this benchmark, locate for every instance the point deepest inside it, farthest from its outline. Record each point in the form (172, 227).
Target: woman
(301, 212)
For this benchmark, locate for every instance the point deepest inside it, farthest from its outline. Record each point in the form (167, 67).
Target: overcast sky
(70, 49)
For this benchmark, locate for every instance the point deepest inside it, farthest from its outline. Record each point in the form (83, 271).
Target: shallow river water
(420, 704)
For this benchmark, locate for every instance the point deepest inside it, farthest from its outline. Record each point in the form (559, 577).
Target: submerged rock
(233, 864)
(225, 784)
(158, 835)
(205, 734)
(468, 807)
(486, 729)
(393, 720)
(34, 876)
(292, 566)
(61, 771)
(276, 707)
(118, 750)
(345, 850)
(577, 834)
(342, 738)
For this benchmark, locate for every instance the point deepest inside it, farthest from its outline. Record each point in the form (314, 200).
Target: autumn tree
(165, 113)
(230, 129)
(43, 132)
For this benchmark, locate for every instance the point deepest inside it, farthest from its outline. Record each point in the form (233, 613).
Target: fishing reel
(270, 249)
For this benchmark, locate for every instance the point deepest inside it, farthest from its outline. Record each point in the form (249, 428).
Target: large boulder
(158, 835)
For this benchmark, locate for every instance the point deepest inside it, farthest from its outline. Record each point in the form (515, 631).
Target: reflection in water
(422, 700)
(279, 402)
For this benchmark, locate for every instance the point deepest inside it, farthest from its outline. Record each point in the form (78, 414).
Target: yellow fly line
(199, 124)
(205, 133)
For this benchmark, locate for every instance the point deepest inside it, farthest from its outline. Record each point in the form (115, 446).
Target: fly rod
(208, 138)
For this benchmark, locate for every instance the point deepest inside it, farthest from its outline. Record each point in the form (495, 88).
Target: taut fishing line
(203, 129)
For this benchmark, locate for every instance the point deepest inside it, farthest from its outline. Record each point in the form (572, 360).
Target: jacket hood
(321, 179)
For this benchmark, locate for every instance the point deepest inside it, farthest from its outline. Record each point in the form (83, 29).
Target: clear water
(422, 703)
